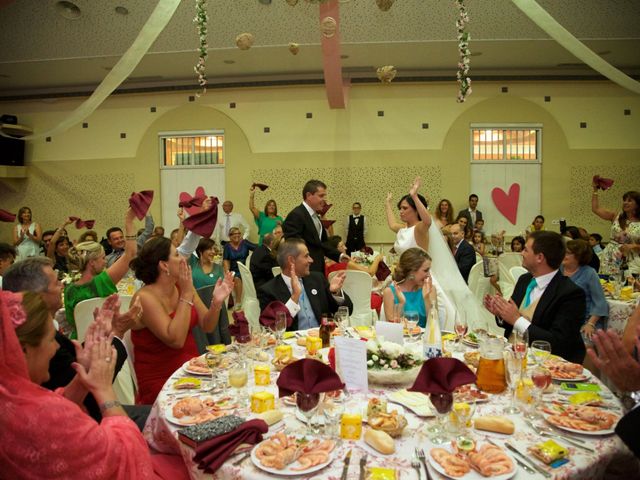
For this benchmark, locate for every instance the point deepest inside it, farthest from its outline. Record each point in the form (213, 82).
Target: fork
(415, 463)
(552, 433)
(420, 455)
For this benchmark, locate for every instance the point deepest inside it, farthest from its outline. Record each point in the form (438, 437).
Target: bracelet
(184, 300)
(130, 237)
(110, 404)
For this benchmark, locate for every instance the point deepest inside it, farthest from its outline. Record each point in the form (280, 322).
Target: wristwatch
(630, 399)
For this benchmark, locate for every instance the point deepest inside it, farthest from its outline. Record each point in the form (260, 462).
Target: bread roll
(380, 440)
(270, 416)
(495, 424)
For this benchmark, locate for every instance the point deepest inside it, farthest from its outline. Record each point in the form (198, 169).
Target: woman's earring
(412, 277)
(167, 272)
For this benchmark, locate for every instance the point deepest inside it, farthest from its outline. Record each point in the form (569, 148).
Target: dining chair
(358, 286)
(516, 272)
(250, 304)
(478, 283)
(276, 271)
(510, 259)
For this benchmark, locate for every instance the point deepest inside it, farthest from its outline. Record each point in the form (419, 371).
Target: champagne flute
(460, 326)
(280, 326)
(307, 404)
(442, 403)
(541, 351)
(514, 367)
(213, 361)
(238, 375)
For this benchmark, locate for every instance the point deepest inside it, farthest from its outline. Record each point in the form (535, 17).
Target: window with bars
(506, 143)
(191, 149)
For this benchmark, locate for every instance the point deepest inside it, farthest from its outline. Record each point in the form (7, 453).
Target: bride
(420, 231)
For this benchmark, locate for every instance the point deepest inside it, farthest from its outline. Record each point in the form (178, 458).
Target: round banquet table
(162, 436)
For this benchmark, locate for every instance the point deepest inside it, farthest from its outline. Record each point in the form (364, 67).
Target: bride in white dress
(420, 231)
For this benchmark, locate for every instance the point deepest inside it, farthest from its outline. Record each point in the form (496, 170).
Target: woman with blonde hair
(266, 220)
(87, 259)
(27, 235)
(444, 213)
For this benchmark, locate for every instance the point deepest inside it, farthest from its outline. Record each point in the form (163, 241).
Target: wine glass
(514, 367)
(541, 378)
(279, 326)
(332, 409)
(462, 413)
(442, 403)
(307, 404)
(213, 361)
(460, 326)
(541, 350)
(238, 375)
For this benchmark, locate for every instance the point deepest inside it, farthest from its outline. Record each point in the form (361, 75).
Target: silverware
(420, 455)
(345, 469)
(524, 466)
(551, 433)
(524, 457)
(363, 464)
(415, 463)
(241, 459)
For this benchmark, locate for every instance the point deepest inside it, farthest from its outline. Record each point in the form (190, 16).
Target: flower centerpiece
(362, 258)
(389, 363)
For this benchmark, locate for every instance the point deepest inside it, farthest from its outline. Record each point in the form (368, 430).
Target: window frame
(162, 136)
(504, 127)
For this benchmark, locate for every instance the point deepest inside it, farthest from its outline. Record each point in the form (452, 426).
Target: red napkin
(383, 271)
(261, 186)
(268, 315)
(204, 222)
(7, 216)
(240, 327)
(82, 223)
(602, 183)
(327, 223)
(442, 375)
(325, 209)
(307, 376)
(140, 202)
(192, 204)
(211, 454)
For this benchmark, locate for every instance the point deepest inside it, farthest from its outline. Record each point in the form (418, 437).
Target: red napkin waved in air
(192, 204)
(268, 315)
(261, 186)
(7, 216)
(211, 454)
(308, 376)
(140, 202)
(322, 212)
(327, 223)
(82, 223)
(602, 183)
(240, 327)
(442, 375)
(204, 222)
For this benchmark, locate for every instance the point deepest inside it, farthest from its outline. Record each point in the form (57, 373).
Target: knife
(363, 464)
(345, 469)
(526, 467)
(523, 457)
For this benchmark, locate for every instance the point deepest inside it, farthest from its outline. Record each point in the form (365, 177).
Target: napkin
(325, 209)
(192, 204)
(204, 222)
(327, 223)
(602, 183)
(383, 271)
(140, 202)
(261, 186)
(7, 216)
(367, 250)
(240, 327)
(307, 376)
(211, 454)
(442, 375)
(268, 315)
(82, 223)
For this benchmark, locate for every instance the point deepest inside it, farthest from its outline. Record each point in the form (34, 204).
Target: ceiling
(45, 54)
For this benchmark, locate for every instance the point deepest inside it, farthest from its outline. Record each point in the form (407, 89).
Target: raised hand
(415, 187)
(427, 287)
(401, 299)
(337, 281)
(296, 288)
(130, 216)
(614, 361)
(223, 289)
(181, 214)
(206, 204)
(389, 196)
(103, 361)
(185, 281)
(125, 321)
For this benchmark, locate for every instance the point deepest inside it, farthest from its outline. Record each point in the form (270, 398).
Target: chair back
(250, 304)
(478, 257)
(478, 283)
(358, 286)
(516, 272)
(510, 259)
(247, 262)
(83, 315)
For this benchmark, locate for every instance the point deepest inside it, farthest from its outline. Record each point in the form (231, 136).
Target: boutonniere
(314, 291)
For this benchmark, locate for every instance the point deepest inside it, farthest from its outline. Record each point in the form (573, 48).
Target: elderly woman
(267, 220)
(59, 438)
(236, 250)
(162, 340)
(88, 259)
(444, 213)
(26, 235)
(414, 231)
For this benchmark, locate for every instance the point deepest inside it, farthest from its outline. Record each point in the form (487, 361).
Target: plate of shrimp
(482, 461)
(289, 455)
(192, 410)
(582, 419)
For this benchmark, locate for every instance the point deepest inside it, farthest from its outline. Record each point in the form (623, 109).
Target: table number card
(351, 363)
(392, 332)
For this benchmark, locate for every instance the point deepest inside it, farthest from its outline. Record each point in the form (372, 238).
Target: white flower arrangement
(463, 47)
(391, 356)
(201, 19)
(361, 257)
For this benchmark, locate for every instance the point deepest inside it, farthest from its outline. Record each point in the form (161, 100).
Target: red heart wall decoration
(507, 203)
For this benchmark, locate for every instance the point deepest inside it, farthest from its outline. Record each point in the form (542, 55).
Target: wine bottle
(432, 338)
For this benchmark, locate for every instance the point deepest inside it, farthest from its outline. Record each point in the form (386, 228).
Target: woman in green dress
(267, 220)
(204, 270)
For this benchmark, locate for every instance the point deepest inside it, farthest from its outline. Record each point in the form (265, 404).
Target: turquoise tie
(527, 294)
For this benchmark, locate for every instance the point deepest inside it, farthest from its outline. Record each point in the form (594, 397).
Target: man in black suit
(544, 302)
(262, 261)
(306, 294)
(304, 222)
(356, 229)
(472, 213)
(463, 252)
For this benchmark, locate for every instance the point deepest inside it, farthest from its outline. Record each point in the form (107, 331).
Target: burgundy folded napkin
(211, 454)
(7, 216)
(240, 327)
(261, 186)
(325, 209)
(140, 202)
(307, 376)
(268, 315)
(442, 375)
(602, 183)
(327, 223)
(367, 250)
(82, 223)
(383, 271)
(192, 204)
(204, 222)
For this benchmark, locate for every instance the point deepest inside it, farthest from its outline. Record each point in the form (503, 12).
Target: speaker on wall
(11, 152)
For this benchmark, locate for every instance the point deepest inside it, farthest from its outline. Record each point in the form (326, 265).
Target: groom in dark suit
(304, 222)
(544, 302)
(463, 252)
(306, 294)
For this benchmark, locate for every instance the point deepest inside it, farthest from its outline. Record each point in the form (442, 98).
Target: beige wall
(90, 172)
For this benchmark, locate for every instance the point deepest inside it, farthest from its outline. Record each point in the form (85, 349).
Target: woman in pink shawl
(44, 434)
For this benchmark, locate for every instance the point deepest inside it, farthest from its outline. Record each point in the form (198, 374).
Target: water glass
(332, 411)
(541, 350)
(513, 367)
(280, 326)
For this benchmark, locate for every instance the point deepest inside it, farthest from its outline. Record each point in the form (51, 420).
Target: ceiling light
(120, 10)
(68, 10)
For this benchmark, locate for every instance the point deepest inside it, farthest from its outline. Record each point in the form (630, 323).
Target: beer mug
(490, 374)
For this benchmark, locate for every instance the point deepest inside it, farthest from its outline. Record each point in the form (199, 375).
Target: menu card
(392, 332)
(351, 363)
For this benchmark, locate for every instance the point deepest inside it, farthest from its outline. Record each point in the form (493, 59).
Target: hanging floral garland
(463, 47)
(201, 20)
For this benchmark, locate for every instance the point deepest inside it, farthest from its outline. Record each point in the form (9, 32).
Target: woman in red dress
(163, 340)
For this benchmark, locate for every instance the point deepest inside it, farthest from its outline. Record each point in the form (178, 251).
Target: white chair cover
(83, 315)
(358, 286)
(516, 272)
(478, 283)
(510, 259)
(276, 271)
(250, 304)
